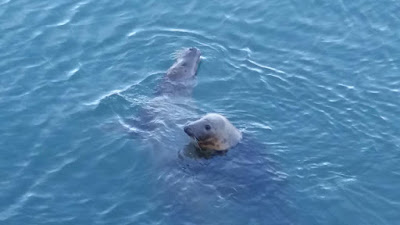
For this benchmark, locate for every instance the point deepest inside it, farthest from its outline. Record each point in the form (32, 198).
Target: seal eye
(208, 127)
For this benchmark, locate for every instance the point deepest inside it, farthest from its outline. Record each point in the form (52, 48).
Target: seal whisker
(196, 141)
(178, 53)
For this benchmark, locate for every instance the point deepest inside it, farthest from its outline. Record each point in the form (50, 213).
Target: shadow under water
(245, 183)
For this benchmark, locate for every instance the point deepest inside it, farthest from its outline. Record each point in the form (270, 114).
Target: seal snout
(194, 52)
(194, 49)
(188, 130)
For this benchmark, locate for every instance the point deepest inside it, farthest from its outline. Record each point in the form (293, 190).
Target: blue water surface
(313, 85)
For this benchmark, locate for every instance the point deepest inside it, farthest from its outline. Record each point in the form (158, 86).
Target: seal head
(186, 64)
(180, 77)
(213, 132)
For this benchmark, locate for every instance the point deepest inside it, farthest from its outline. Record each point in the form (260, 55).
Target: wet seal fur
(178, 81)
(213, 132)
(171, 94)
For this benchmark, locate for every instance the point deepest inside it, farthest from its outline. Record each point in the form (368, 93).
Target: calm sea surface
(313, 85)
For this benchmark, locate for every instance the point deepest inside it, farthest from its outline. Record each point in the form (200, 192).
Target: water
(314, 85)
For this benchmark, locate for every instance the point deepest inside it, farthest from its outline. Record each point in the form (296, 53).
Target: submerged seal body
(213, 132)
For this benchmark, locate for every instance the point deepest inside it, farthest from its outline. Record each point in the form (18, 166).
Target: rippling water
(314, 85)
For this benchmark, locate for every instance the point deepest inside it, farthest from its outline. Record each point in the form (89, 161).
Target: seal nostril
(193, 49)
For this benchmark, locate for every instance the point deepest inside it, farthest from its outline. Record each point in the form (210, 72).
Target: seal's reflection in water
(191, 150)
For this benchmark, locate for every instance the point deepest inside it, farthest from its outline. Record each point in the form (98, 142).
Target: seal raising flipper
(213, 132)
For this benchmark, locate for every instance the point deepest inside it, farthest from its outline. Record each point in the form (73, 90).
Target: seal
(179, 77)
(171, 94)
(186, 64)
(213, 132)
